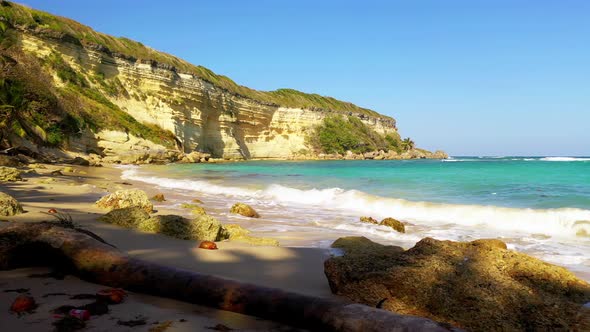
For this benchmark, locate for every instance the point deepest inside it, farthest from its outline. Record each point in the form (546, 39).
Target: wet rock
(239, 234)
(244, 210)
(479, 285)
(10, 174)
(126, 198)
(394, 223)
(159, 198)
(369, 220)
(9, 206)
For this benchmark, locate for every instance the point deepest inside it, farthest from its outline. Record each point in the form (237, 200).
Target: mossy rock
(198, 211)
(130, 217)
(201, 228)
(196, 200)
(126, 198)
(10, 174)
(393, 223)
(244, 210)
(9, 206)
(239, 234)
(478, 285)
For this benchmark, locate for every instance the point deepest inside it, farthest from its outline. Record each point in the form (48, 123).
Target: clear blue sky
(487, 77)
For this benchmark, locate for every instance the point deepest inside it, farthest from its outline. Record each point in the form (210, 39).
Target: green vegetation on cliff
(32, 107)
(338, 134)
(52, 26)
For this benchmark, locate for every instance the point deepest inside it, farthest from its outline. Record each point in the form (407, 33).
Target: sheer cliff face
(202, 116)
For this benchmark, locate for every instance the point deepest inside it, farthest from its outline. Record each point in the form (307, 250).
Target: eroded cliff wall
(202, 116)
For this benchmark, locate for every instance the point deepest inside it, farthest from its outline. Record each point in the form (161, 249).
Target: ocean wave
(565, 159)
(565, 222)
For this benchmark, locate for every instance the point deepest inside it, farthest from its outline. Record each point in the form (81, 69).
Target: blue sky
(487, 77)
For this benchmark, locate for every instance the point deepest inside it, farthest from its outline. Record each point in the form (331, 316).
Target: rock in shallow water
(244, 210)
(394, 223)
(479, 285)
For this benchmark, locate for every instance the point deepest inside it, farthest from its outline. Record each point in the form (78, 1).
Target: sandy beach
(294, 269)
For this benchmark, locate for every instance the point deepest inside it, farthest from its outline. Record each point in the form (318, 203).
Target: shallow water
(540, 206)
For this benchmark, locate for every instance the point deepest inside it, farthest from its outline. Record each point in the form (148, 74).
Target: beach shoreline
(74, 193)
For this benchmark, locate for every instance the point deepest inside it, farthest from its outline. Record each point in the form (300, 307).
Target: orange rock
(52, 211)
(23, 303)
(208, 245)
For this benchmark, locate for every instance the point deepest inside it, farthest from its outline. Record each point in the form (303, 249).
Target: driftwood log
(34, 244)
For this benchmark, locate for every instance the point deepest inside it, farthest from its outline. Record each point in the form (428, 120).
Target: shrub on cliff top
(339, 134)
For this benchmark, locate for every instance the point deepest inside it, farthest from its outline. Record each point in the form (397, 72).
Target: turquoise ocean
(538, 205)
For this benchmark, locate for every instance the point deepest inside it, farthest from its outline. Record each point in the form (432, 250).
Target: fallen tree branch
(26, 244)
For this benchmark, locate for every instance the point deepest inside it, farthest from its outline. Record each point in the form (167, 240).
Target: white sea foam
(565, 159)
(563, 222)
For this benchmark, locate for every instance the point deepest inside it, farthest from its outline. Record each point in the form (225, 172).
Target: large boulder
(10, 174)
(244, 210)
(126, 198)
(9, 206)
(239, 234)
(130, 217)
(479, 285)
(393, 223)
(201, 228)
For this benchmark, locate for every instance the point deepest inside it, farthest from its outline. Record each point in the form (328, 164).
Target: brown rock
(394, 223)
(479, 285)
(159, 198)
(244, 210)
(369, 220)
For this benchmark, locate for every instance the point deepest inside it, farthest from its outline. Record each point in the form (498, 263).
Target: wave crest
(564, 222)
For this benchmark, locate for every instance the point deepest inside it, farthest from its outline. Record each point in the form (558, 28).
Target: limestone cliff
(202, 111)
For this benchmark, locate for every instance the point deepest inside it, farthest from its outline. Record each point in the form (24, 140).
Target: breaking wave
(561, 222)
